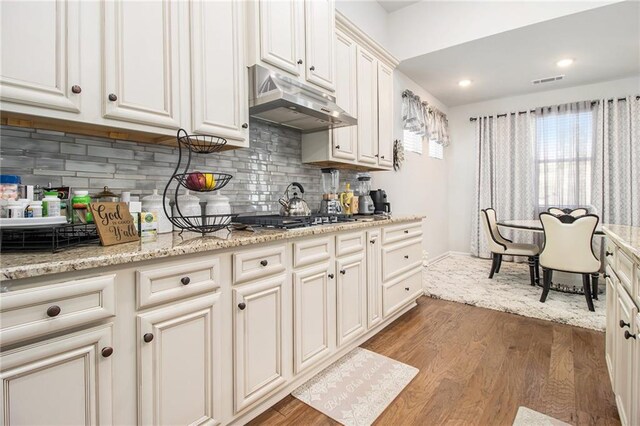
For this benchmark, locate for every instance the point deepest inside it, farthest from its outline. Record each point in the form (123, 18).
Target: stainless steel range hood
(282, 100)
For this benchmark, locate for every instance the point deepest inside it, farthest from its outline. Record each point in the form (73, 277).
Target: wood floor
(478, 365)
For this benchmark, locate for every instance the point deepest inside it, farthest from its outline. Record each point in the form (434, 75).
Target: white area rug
(528, 417)
(464, 279)
(357, 388)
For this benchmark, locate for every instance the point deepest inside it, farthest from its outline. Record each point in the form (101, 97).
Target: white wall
(369, 16)
(461, 153)
(433, 25)
(420, 185)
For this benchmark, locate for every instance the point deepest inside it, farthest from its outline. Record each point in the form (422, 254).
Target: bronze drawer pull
(106, 352)
(242, 306)
(185, 280)
(53, 311)
(147, 337)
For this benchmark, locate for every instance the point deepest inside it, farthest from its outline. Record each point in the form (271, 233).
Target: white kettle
(154, 203)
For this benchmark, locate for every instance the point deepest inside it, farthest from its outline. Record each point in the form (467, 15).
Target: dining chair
(580, 211)
(568, 248)
(500, 246)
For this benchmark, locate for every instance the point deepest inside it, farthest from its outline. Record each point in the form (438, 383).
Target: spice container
(106, 196)
(51, 204)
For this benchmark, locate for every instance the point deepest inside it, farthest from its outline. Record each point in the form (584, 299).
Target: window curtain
(505, 154)
(616, 182)
(424, 120)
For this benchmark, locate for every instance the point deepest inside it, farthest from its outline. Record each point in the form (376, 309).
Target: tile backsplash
(261, 172)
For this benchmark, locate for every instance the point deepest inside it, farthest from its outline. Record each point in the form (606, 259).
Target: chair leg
(546, 278)
(594, 285)
(532, 270)
(537, 260)
(494, 264)
(586, 284)
(499, 263)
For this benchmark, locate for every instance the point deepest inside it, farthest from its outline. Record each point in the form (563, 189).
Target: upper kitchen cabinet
(364, 89)
(40, 57)
(141, 62)
(294, 37)
(219, 96)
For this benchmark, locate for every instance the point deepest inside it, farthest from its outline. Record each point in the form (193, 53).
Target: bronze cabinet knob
(342, 271)
(76, 89)
(113, 97)
(245, 125)
(147, 337)
(406, 256)
(608, 253)
(53, 311)
(264, 262)
(624, 324)
(406, 231)
(299, 61)
(107, 352)
(337, 146)
(312, 68)
(242, 306)
(185, 280)
(406, 288)
(331, 276)
(628, 335)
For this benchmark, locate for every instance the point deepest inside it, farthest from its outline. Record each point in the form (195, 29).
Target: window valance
(423, 119)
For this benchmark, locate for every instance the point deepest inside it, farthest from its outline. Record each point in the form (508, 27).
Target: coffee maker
(381, 206)
(330, 203)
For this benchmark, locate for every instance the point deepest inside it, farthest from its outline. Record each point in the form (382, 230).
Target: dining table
(562, 281)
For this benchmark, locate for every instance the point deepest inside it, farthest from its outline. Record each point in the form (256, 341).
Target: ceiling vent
(548, 79)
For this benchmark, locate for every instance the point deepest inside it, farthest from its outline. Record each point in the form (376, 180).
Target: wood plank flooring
(477, 366)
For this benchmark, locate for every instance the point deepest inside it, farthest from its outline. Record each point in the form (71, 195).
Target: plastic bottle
(51, 204)
(80, 203)
(36, 208)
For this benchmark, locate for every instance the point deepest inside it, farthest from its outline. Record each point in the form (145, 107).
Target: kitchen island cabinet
(265, 313)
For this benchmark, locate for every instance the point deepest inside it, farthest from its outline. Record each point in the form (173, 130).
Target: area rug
(460, 278)
(529, 417)
(357, 388)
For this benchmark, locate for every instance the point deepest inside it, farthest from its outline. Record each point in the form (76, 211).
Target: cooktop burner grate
(291, 222)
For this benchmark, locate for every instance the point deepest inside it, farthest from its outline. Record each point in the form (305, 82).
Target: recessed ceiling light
(563, 63)
(464, 83)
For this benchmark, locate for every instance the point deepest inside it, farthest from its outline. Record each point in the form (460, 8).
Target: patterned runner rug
(528, 417)
(357, 388)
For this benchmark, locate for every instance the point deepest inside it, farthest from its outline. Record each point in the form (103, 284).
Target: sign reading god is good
(114, 222)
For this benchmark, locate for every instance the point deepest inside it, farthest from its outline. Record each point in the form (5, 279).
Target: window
(436, 150)
(412, 141)
(564, 153)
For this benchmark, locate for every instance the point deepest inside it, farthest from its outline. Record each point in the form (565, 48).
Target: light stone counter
(627, 237)
(28, 265)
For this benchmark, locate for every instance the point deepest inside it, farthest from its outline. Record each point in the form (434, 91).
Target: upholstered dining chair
(580, 211)
(568, 248)
(500, 246)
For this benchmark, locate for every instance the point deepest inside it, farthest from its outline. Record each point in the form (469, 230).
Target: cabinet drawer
(400, 258)
(349, 243)
(402, 232)
(251, 264)
(311, 251)
(25, 314)
(610, 250)
(159, 285)
(397, 294)
(624, 269)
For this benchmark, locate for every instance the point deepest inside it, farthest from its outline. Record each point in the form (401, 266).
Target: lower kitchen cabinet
(374, 281)
(624, 353)
(612, 326)
(262, 347)
(636, 374)
(179, 360)
(351, 291)
(314, 295)
(59, 381)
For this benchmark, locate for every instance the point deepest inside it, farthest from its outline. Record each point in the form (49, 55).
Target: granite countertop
(29, 265)
(625, 236)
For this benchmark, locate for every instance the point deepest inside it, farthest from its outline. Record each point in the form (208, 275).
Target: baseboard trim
(445, 255)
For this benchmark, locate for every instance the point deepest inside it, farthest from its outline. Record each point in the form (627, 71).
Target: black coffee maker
(380, 203)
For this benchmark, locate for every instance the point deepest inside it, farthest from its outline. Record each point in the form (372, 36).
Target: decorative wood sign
(114, 223)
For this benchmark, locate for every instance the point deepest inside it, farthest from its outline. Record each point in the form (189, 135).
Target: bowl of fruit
(204, 181)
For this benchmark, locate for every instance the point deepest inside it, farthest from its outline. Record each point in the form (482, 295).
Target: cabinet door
(351, 297)
(61, 381)
(374, 274)
(282, 34)
(345, 139)
(313, 314)
(218, 70)
(612, 329)
(319, 42)
(179, 377)
(258, 339)
(385, 115)
(40, 54)
(636, 374)
(626, 312)
(141, 62)
(367, 68)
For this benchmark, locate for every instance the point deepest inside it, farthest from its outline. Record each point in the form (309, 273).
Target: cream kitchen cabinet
(635, 391)
(40, 57)
(262, 338)
(67, 380)
(610, 337)
(345, 139)
(374, 280)
(626, 313)
(385, 115)
(219, 95)
(314, 295)
(141, 62)
(179, 356)
(351, 289)
(295, 37)
(367, 88)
